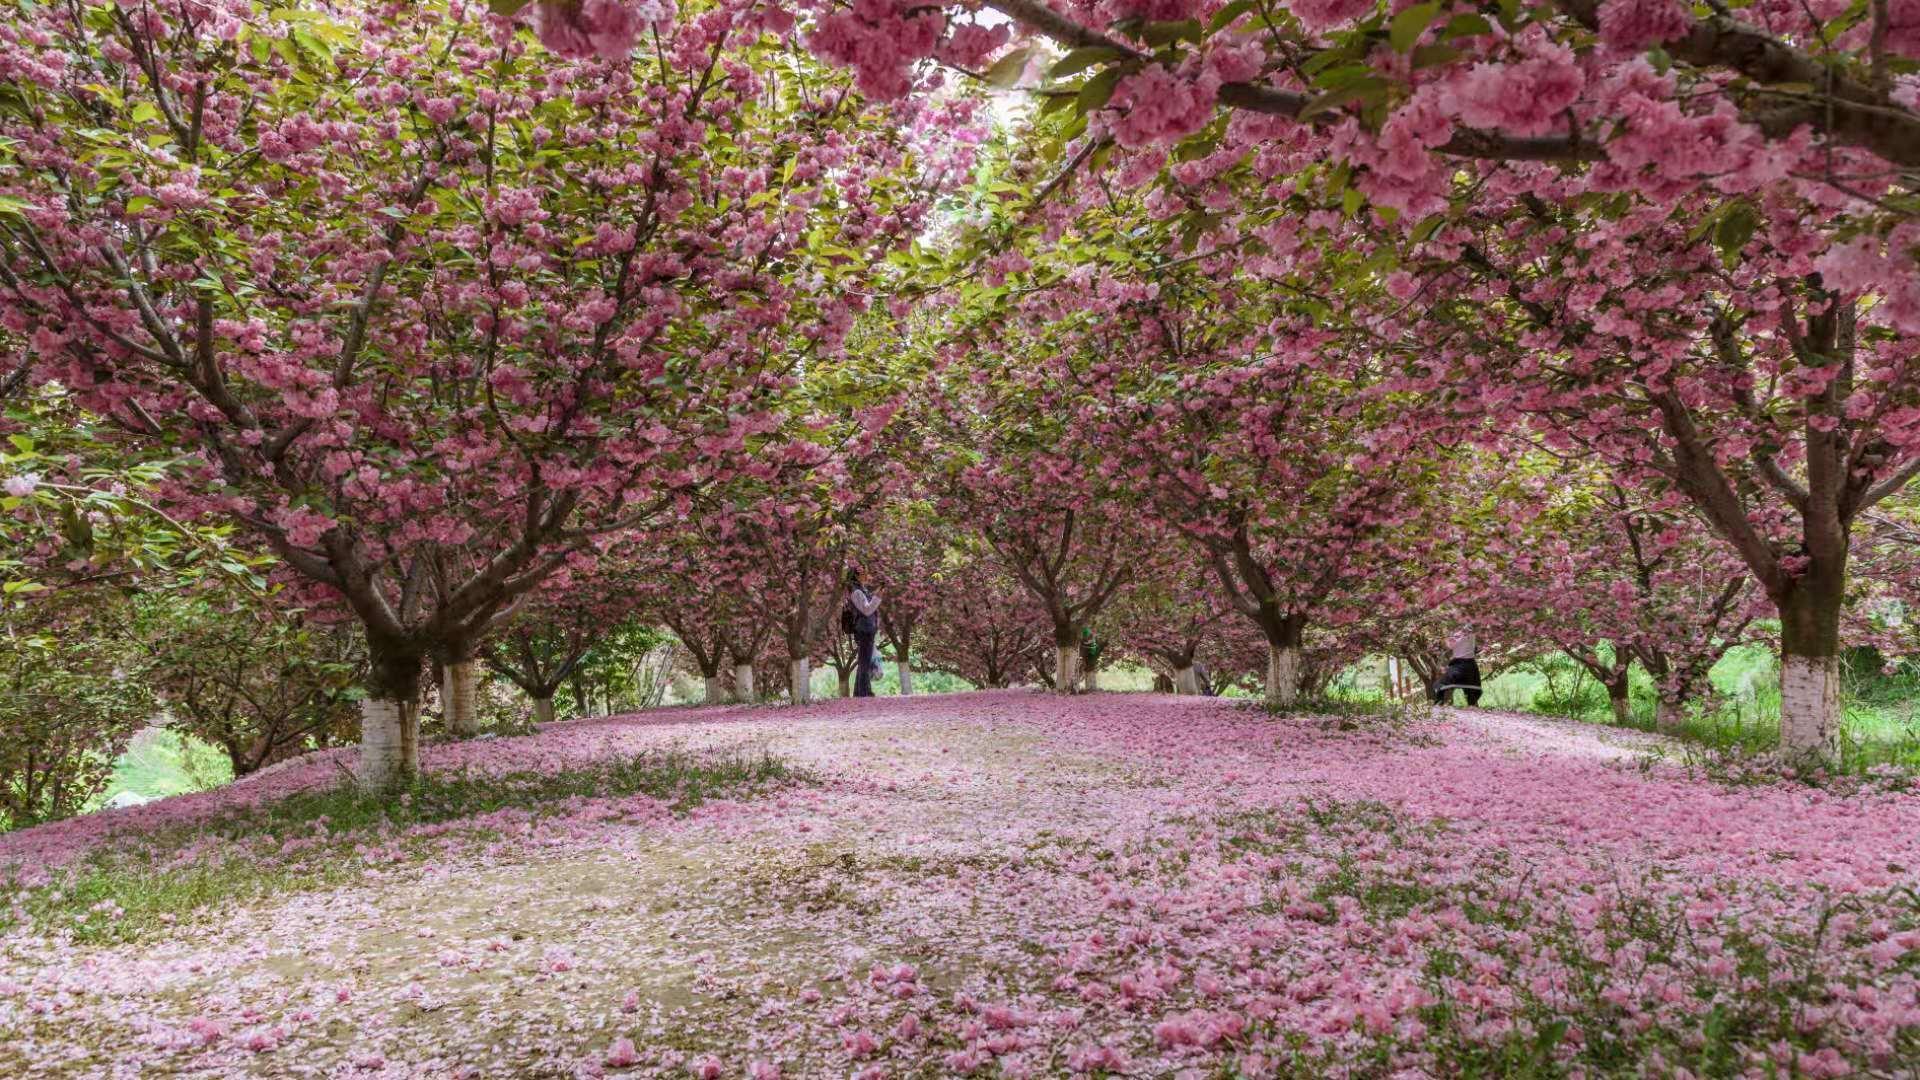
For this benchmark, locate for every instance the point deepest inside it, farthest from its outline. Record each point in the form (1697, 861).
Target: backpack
(849, 620)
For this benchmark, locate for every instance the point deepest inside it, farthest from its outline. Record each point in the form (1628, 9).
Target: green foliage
(626, 670)
(71, 697)
(255, 681)
(159, 763)
(1741, 719)
(1350, 713)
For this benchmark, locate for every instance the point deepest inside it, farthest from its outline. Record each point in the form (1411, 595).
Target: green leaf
(1097, 90)
(21, 443)
(1367, 90)
(1735, 229)
(1006, 70)
(1166, 33)
(1056, 102)
(1409, 24)
(1225, 16)
(1334, 78)
(1468, 25)
(1081, 59)
(1426, 56)
(506, 8)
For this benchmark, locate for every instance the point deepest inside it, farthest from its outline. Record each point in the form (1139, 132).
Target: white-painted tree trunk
(906, 678)
(1092, 680)
(800, 687)
(743, 683)
(543, 710)
(1669, 716)
(1186, 681)
(712, 690)
(1283, 675)
(1810, 705)
(382, 743)
(460, 697)
(1066, 668)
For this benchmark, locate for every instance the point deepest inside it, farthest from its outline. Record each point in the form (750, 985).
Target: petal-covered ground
(1012, 884)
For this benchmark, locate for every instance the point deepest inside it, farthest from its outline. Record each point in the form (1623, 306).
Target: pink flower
(860, 1043)
(1522, 98)
(1854, 265)
(207, 1031)
(1637, 24)
(1317, 15)
(603, 28)
(622, 1054)
(1160, 106)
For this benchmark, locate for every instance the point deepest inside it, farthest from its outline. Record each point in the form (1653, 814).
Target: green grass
(124, 892)
(1882, 725)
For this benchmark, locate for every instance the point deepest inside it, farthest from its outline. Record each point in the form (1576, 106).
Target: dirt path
(993, 881)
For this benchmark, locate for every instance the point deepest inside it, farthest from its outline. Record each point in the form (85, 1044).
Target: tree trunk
(461, 697)
(1066, 667)
(382, 743)
(1283, 675)
(1617, 698)
(1093, 680)
(743, 682)
(712, 691)
(800, 683)
(389, 719)
(906, 677)
(1185, 681)
(1670, 715)
(1810, 705)
(543, 710)
(845, 679)
(1810, 667)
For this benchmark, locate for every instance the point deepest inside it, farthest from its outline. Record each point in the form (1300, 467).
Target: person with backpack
(1463, 669)
(861, 618)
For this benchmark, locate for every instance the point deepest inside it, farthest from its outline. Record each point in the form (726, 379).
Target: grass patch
(312, 840)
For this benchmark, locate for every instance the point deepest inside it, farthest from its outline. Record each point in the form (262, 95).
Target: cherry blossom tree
(1611, 576)
(1030, 493)
(431, 309)
(1174, 619)
(981, 625)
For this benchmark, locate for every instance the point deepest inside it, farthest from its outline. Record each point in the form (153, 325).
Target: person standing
(1463, 669)
(866, 624)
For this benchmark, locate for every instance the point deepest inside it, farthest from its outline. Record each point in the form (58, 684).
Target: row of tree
(1325, 328)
